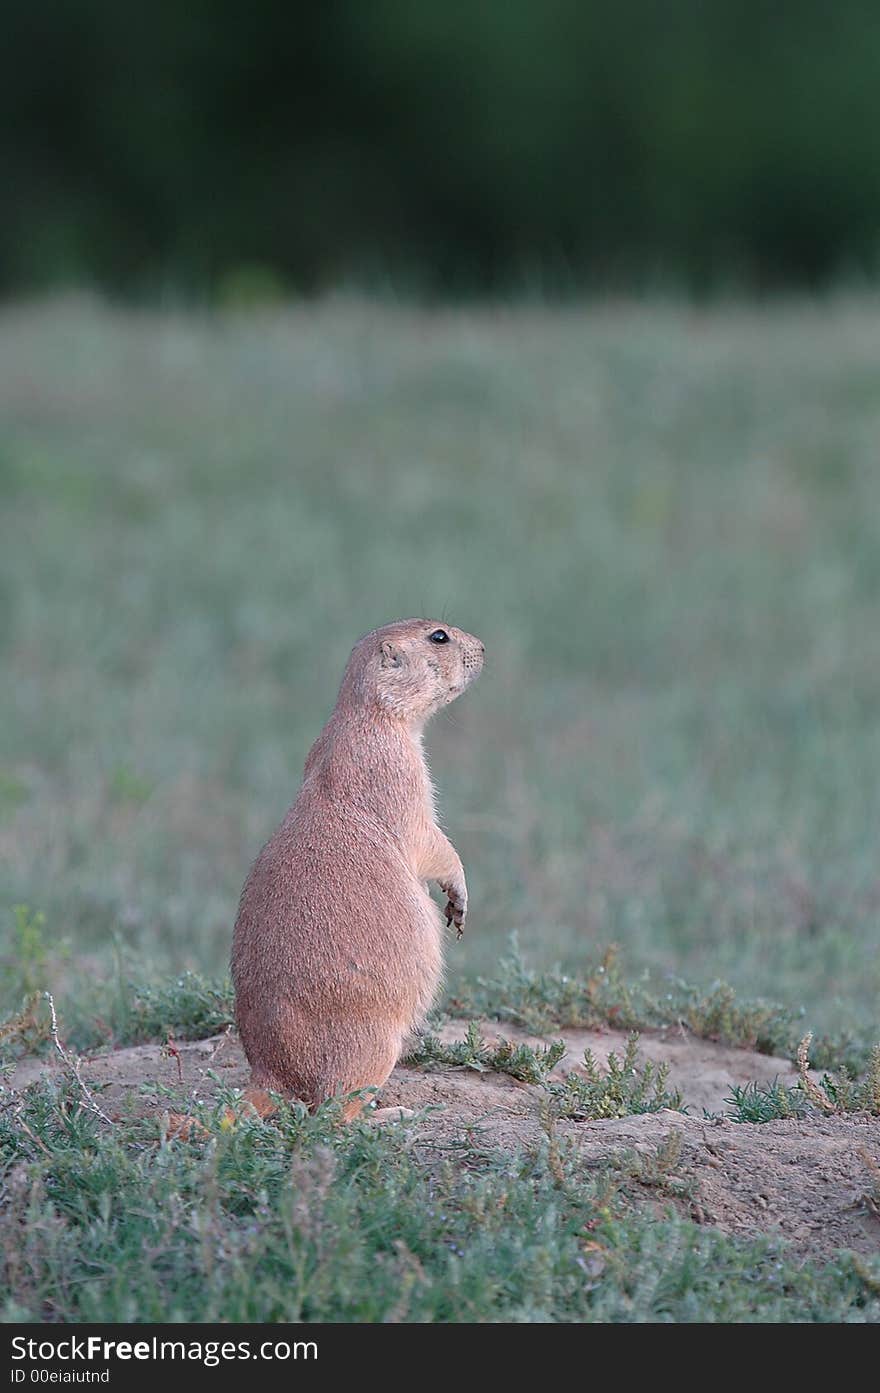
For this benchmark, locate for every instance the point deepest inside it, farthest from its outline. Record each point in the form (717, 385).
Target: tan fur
(337, 951)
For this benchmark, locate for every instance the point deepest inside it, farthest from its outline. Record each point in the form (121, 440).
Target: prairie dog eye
(439, 636)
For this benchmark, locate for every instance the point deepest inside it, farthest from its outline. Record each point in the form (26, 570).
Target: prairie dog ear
(391, 656)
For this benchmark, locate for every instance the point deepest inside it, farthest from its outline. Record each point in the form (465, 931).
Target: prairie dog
(337, 949)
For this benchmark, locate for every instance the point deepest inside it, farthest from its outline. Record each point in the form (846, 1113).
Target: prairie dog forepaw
(456, 907)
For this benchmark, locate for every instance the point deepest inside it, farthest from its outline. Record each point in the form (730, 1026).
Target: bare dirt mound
(807, 1181)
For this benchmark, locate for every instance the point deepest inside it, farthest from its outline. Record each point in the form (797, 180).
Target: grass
(624, 1087)
(664, 525)
(192, 1007)
(307, 1221)
(834, 1095)
(605, 994)
(662, 522)
(770, 1102)
(301, 1219)
(531, 1065)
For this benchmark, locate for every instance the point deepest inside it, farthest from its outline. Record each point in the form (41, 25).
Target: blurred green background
(663, 524)
(215, 148)
(222, 460)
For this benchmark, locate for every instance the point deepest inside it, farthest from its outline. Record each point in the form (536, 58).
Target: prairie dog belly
(370, 940)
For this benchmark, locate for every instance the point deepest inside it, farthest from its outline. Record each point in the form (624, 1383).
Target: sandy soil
(805, 1181)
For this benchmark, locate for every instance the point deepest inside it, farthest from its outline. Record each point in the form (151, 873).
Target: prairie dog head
(413, 667)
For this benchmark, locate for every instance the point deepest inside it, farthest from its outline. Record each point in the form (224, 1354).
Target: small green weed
(656, 1169)
(128, 787)
(626, 1087)
(26, 1029)
(30, 949)
(837, 1093)
(189, 1008)
(757, 1102)
(524, 1062)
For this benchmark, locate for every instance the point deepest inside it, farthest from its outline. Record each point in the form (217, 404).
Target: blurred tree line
(452, 146)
